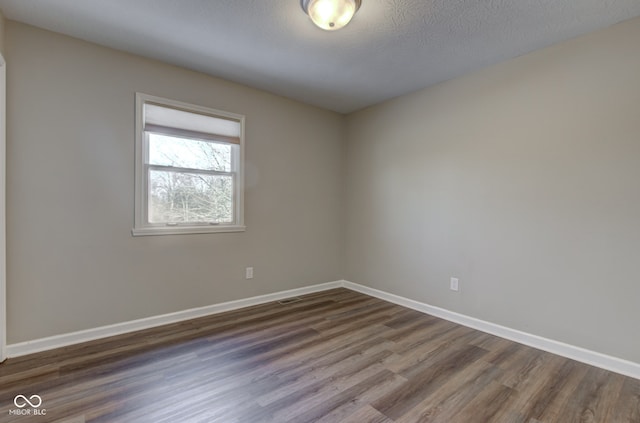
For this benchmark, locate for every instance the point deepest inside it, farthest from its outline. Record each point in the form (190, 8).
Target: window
(188, 168)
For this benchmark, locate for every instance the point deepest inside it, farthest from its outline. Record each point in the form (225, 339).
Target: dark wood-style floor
(334, 356)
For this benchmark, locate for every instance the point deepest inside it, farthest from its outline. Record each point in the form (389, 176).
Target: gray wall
(2, 29)
(72, 262)
(523, 180)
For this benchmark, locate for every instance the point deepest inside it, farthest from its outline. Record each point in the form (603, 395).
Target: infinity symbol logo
(21, 401)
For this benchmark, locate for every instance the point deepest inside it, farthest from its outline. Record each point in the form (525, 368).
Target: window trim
(141, 225)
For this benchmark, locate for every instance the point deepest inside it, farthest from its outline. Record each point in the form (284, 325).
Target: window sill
(186, 230)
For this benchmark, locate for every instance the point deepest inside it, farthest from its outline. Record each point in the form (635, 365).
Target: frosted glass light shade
(330, 14)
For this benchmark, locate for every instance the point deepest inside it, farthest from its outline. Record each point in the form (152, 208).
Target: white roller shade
(171, 121)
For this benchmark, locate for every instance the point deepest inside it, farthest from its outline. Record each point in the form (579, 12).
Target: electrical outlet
(454, 284)
(248, 273)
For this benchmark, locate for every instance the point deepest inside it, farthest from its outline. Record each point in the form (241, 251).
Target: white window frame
(142, 226)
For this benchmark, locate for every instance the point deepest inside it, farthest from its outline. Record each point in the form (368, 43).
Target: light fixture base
(305, 5)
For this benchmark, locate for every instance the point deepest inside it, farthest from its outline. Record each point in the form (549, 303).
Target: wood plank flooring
(335, 356)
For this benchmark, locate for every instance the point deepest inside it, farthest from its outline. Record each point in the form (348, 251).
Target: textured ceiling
(391, 47)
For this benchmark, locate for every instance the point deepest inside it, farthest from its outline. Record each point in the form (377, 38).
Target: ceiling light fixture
(330, 14)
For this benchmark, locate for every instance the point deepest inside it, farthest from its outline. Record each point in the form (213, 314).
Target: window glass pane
(190, 197)
(181, 152)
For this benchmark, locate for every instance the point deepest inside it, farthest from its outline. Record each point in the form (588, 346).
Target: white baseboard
(607, 362)
(57, 341)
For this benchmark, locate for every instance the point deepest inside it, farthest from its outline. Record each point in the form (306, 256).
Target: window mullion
(187, 170)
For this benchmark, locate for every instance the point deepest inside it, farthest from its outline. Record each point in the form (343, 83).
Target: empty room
(336, 211)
